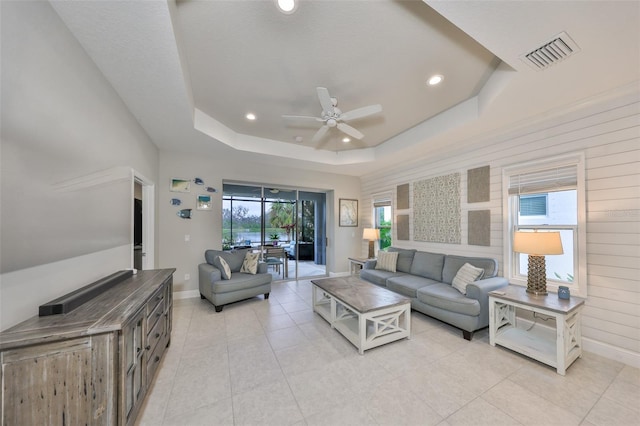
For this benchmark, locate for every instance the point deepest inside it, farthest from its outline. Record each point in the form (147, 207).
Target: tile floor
(275, 362)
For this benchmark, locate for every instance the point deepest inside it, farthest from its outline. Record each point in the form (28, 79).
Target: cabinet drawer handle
(138, 350)
(157, 358)
(157, 335)
(148, 347)
(158, 314)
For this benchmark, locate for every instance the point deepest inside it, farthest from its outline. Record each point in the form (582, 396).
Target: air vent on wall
(557, 49)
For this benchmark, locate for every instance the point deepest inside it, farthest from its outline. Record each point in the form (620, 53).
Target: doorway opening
(143, 236)
(286, 225)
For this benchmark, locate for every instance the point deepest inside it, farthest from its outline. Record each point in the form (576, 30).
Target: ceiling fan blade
(301, 118)
(325, 99)
(354, 133)
(320, 134)
(360, 112)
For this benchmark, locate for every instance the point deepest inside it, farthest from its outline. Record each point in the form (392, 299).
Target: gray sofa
(240, 286)
(426, 278)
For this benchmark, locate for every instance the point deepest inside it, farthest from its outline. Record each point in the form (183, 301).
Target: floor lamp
(372, 235)
(537, 245)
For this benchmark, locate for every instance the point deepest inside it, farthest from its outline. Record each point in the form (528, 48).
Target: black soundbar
(71, 301)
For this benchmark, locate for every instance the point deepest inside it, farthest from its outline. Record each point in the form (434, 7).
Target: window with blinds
(547, 196)
(382, 215)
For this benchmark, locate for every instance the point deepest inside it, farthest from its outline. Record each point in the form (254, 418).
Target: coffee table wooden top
(360, 295)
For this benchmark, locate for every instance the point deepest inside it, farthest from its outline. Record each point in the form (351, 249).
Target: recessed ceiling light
(287, 6)
(346, 140)
(435, 79)
(250, 116)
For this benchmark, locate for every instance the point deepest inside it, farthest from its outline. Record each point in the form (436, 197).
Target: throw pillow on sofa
(387, 261)
(465, 276)
(222, 264)
(250, 263)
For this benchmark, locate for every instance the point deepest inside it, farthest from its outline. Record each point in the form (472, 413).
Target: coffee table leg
(362, 335)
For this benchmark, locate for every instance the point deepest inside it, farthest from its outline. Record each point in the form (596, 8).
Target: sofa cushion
(465, 276)
(377, 276)
(234, 258)
(250, 263)
(445, 297)
(405, 258)
(407, 285)
(387, 261)
(221, 264)
(240, 281)
(428, 265)
(452, 265)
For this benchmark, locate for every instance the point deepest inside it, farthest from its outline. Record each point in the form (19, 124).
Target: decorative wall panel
(436, 209)
(402, 194)
(479, 227)
(478, 185)
(402, 227)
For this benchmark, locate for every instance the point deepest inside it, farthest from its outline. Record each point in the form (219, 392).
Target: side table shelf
(558, 347)
(356, 264)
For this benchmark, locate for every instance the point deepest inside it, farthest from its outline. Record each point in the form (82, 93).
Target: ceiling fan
(332, 116)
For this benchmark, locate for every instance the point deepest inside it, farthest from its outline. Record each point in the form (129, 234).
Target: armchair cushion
(234, 258)
(250, 263)
(222, 264)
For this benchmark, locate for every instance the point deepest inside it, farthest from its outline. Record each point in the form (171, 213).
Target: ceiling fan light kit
(287, 6)
(332, 116)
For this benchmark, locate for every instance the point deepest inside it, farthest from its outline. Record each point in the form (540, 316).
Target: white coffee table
(367, 315)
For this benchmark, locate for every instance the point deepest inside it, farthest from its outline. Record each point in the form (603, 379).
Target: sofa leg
(218, 308)
(202, 296)
(467, 334)
(266, 296)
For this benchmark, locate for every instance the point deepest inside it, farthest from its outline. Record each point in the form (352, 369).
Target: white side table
(356, 264)
(557, 347)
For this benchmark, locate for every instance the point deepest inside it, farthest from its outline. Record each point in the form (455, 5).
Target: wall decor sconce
(175, 202)
(210, 189)
(198, 181)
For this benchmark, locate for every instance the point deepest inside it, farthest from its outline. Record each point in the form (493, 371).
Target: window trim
(579, 284)
(382, 200)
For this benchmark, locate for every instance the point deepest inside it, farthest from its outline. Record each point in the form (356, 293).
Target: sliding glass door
(285, 222)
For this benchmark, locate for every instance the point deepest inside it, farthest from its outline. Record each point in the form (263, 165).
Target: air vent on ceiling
(557, 49)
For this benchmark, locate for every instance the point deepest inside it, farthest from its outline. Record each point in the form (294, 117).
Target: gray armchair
(239, 286)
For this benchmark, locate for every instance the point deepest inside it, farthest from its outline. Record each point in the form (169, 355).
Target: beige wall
(61, 122)
(607, 132)
(205, 229)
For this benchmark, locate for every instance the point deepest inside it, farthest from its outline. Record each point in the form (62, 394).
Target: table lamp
(372, 235)
(537, 245)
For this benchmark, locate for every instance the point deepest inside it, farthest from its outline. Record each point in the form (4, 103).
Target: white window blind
(548, 180)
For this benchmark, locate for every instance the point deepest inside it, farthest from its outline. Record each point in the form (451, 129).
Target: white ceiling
(190, 71)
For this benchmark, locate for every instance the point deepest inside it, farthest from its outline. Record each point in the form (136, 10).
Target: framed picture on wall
(348, 212)
(180, 185)
(203, 202)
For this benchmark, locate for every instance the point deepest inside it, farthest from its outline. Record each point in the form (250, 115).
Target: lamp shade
(537, 243)
(371, 234)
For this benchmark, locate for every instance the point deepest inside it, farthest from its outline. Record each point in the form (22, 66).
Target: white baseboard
(187, 294)
(599, 348)
(606, 350)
